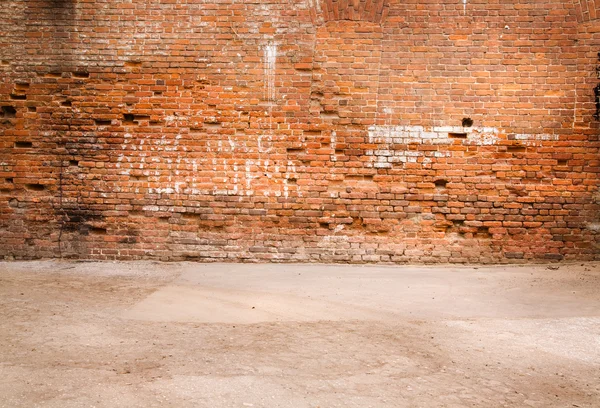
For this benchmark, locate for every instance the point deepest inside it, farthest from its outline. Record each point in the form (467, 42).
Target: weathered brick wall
(587, 10)
(315, 130)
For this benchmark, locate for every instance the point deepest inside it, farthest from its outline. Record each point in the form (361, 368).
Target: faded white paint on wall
(232, 175)
(542, 136)
(437, 135)
(387, 136)
(333, 146)
(270, 61)
(480, 136)
(269, 66)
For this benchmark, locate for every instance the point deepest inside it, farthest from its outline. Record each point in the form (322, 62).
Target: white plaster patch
(333, 146)
(436, 135)
(269, 67)
(543, 136)
(390, 138)
(270, 61)
(593, 226)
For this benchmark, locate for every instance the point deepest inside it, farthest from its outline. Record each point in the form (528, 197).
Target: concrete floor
(145, 334)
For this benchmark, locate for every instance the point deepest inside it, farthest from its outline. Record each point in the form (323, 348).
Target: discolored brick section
(317, 130)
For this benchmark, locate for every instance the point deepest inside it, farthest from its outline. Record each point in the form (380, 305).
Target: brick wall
(587, 10)
(316, 130)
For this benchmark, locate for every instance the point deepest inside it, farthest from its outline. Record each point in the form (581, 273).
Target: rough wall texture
(587, 10)
(315, 130)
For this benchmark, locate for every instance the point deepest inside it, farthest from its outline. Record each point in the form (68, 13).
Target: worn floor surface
(147, 334)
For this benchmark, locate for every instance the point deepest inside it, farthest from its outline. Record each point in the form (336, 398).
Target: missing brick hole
(102, 122)
(67, 104)
(441, 227)
(9, 180)
(129, 119)
(97, 231)
(53, 74)
(457, 135)
(303, 67)
(483, 232)
(324, 225)
(294, 150)
(138, 178)
(561, 162)
(191, 257)
(212, 125)
(378, 232)
(23, 145)
(157, 93)
(18, 97)
(133, 64)
(9, 112)
(329, 115)
(20, 86)
(339, 151)
(292, 181)
(440, 183)
(516, 149)
(35, 187)
(73, 163)
(467, 122)
(81, 74)
(31, 109)
(5, 62)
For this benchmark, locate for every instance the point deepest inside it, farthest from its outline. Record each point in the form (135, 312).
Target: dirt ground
(146, 334)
